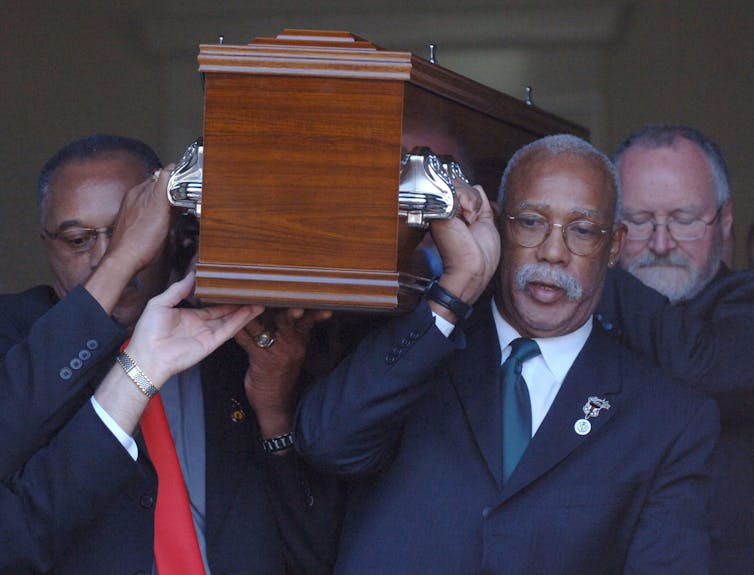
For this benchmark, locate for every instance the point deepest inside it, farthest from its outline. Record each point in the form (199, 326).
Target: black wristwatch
(440, 295)
(277, 443)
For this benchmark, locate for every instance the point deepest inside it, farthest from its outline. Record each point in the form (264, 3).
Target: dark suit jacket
(707, 342)
(415, 422)
(77, 503)
(695, 341)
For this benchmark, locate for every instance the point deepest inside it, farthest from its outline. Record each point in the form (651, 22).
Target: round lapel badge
(582, 426)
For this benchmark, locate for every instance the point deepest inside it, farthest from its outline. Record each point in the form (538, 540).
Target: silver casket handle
(185, 183)
(427, 187)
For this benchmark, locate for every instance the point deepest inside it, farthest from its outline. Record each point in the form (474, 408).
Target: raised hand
(143, 223)
(469, 245)
(139, 238)
(168, 339)
(272, 378)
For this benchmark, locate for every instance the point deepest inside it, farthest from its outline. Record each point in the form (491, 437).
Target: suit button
(147, 501)
(66, 373)
(85, 354)
(92, 344)
(486, 512)
(76, 363)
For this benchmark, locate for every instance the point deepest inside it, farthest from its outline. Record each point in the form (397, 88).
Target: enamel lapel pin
(591, 408)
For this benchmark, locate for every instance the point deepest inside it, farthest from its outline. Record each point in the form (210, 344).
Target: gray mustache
(547, 274)
(670, 259)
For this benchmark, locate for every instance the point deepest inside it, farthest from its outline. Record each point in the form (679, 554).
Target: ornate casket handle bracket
(427, 189)
(185, 183)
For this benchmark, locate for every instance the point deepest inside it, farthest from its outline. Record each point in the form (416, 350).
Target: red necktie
(176, 549)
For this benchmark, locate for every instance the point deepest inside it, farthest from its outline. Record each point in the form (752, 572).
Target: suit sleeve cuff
(443, 325)
(125, 440)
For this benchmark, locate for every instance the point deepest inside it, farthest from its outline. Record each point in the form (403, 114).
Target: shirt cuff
(443, 325)
(125, 440)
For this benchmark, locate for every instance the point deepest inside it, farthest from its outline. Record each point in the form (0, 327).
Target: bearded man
(677, 208)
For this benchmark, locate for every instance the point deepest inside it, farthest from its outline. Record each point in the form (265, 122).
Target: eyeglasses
(79, 240)
(581, 237)
(679, 229)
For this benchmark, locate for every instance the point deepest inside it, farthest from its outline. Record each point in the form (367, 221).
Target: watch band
(277, 443)
(137, 376)
(440, 295)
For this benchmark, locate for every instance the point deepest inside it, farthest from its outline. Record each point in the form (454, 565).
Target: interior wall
(611, 65)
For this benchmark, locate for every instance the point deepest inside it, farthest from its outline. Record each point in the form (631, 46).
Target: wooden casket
(304, 135)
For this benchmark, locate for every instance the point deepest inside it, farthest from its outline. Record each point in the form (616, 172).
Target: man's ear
(617, 240)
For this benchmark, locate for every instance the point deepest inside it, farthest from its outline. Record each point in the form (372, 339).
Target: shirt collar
(558, 352)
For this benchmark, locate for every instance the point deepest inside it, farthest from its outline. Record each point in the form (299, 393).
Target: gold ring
(264, 340)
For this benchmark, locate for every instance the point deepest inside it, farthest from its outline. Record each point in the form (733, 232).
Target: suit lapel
(594, 373)
(474, 375)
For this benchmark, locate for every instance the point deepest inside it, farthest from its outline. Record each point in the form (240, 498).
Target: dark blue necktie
(516, 404)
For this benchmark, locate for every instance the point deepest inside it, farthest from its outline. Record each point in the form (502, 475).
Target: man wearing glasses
(78, 487)
(516, 437)
(677, 208)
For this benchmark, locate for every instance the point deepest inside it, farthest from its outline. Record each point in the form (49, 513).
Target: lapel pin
(591, 408)
(237, 414)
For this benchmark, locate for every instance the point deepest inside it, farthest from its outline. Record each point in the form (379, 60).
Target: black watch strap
(440, 295)
(277, 443)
